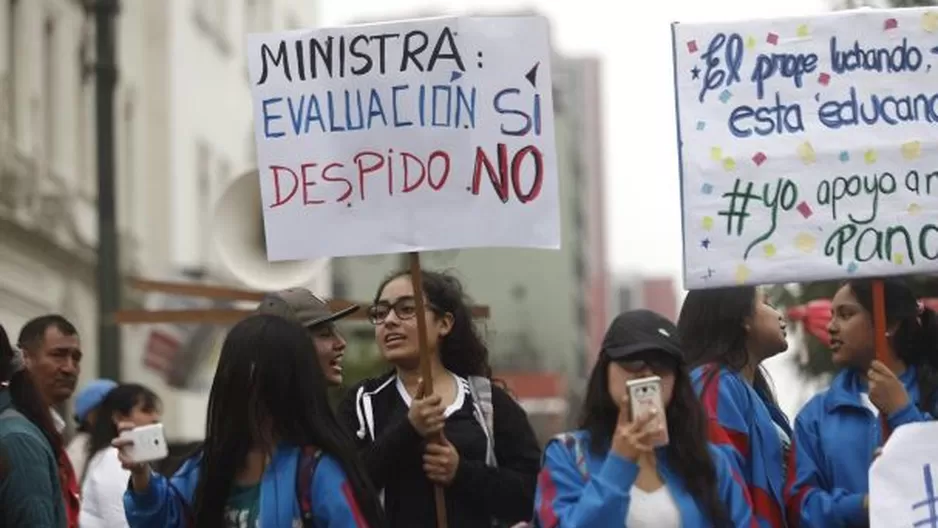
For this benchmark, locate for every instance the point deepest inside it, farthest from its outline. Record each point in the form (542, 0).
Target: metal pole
(108, 270)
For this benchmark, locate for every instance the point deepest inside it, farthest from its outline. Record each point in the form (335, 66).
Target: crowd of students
(276, 454)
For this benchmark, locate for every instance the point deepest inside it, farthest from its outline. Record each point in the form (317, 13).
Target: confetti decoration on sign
(742, 274)
(692, 46)
(898, 258)
(805, 209)
(701, 125)
(824, 79)
(706, 188)
(806, 153)
(852, 267)
(771, 38)
(759, 158)
(707, 223)
(911, 150)
(705, 243)
(805, 242)
(716, 153)
(890, 23)
(802, 31)
(914, 209)
(729, 164)
(844, 156)
(869, 156)
(769, 250)
(930, 21)
(725, 96)
(750, 42)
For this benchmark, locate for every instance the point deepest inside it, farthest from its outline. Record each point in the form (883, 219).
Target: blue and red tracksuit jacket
(835, 438)
(744, 425)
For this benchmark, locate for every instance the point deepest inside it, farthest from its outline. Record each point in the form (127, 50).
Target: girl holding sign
(838, 431)
(726, 334)
(653, 469)
(488, 457)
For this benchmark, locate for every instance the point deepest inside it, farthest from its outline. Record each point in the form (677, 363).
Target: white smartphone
(149, 443)
(645, 395)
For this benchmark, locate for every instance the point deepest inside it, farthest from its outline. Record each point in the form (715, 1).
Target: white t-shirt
(77, 452)
(656, 509)
(102, 493)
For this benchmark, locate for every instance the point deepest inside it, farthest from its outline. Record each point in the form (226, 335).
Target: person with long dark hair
(838, 431)
(105, 480)
(608, 472)
(30, 489)
(274, 453)
(726, 334)
(470, 436)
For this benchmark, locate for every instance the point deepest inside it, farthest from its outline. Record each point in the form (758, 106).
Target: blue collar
(846, 387)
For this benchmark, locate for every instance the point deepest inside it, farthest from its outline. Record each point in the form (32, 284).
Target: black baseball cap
(302, 306)
(639, 331)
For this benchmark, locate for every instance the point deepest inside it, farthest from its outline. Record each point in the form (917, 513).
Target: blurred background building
(183, 130)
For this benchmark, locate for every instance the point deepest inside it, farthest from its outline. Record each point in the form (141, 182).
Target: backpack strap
(305, 468)
(480, 388)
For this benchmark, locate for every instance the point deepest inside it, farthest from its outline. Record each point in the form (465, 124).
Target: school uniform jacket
(745, 426)
(832, 449)
(578, 488)
(166, 502)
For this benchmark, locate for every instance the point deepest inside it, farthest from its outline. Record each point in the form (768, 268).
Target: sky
(643, 215)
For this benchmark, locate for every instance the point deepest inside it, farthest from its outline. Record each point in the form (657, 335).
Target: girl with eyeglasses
(726, 334)
(470, 436)
(612, 472)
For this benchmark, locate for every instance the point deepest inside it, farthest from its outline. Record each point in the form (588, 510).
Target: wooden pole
(880, 342)
(426, 371)
(220, 316)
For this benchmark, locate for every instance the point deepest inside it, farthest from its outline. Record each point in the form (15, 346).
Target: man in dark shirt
(52, 351)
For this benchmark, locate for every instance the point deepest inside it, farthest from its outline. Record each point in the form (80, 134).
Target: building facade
(184, 131)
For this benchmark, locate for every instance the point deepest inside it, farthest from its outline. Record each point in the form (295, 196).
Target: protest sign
(902, 479)
(420, 135)
(808, 147)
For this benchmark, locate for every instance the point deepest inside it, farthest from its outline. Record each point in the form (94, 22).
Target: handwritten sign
(903, 491)
(421, 135)
(808, 147)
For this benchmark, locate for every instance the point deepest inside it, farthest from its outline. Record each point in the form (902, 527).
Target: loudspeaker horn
(238, 233)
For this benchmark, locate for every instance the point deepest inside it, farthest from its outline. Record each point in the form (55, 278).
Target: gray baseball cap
(302, 306)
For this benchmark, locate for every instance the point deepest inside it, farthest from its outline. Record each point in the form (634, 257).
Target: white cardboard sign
(903, 493)
(421, 135)
(808, 147)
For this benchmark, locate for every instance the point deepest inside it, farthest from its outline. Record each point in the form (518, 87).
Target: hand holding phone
(645, 398)
(142, 444)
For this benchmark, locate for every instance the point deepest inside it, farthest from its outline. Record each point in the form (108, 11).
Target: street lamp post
(108, 269)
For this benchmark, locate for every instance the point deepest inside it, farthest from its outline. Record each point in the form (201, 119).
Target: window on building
(49, 85)
(202, 213)
(256, 16)
(222, 177)
(12, 48)
(293, 22)
(127, 179)
(211, 16)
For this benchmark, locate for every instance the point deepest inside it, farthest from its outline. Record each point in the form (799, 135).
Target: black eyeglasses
(404, 308)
